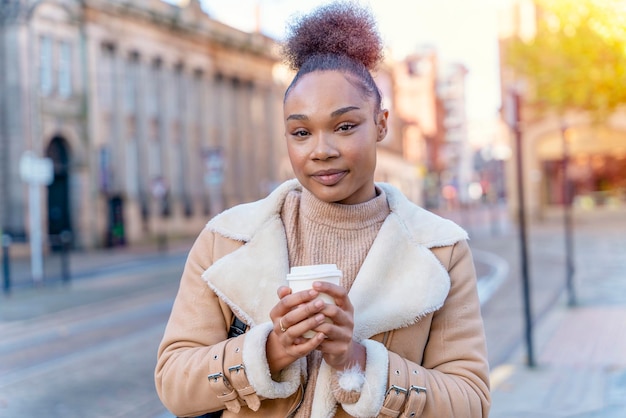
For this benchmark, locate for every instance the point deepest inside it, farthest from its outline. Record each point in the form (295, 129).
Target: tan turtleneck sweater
(329, 233)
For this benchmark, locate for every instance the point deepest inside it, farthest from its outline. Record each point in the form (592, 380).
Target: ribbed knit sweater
(329, 233)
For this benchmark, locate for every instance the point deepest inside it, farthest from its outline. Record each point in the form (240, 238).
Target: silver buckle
(396, 389)
(215, 376)
(418, 389)
(236, 368)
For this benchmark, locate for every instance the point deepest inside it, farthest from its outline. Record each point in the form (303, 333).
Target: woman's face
(332, 129)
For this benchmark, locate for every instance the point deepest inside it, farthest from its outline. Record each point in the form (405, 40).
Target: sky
(463, 31)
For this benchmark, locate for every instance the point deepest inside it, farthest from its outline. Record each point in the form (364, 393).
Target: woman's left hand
(339, 349)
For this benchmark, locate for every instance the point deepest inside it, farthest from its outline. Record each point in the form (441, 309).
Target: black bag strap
(237, 327)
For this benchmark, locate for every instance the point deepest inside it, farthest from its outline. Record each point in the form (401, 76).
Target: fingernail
(319, 303)
(319, 318)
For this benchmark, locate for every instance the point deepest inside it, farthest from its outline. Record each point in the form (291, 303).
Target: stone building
(154, 116)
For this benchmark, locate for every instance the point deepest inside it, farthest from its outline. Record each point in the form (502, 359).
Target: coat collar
(399, 282)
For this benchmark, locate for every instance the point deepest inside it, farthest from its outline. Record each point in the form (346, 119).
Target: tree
(576, 60)
(577, 57)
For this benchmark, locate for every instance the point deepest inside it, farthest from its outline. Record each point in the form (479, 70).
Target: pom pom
(352, 379)
(347, 385)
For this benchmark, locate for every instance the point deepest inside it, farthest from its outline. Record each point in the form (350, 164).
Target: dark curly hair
(340, 36)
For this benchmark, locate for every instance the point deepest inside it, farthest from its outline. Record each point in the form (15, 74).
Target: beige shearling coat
(416, 291)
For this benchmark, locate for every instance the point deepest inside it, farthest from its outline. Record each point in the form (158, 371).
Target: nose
(324, 148)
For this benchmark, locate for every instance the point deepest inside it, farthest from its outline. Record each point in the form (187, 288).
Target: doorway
(59, 210)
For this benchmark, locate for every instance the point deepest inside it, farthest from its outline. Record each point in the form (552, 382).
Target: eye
(300, 133)
(346, 126)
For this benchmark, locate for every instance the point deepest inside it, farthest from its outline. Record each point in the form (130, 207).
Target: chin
(327, 194)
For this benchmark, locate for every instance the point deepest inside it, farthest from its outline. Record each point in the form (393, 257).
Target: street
(94, 359)
(88, 349)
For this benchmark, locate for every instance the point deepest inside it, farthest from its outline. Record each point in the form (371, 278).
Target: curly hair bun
(340, 28)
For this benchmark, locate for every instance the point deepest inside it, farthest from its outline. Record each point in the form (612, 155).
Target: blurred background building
(592, 149)
(153, 116)
(156, 117)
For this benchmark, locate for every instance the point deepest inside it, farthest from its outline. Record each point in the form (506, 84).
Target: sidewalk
(89, 263)
(580, 368)
(579, 351)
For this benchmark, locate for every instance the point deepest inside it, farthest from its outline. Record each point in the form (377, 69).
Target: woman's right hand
(293, 315)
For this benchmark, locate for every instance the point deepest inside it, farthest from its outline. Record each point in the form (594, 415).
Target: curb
(499, 271)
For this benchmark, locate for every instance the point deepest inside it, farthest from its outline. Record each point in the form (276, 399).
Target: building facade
(568, 159)
(418, 119)
(456, 151)
(155, 118)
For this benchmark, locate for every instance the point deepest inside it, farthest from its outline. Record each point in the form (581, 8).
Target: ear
(381, 124)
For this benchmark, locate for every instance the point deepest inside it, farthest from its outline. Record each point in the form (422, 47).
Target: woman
(405, 337)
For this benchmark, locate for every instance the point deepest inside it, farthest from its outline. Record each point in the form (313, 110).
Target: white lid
(312, 271)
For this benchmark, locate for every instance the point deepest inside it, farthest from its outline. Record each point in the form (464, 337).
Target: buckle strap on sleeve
(398, 382)
(237, 374)
(415, 402)
(218, 382)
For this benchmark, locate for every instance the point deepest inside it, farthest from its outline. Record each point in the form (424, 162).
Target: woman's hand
(338, 347)
(293, 315)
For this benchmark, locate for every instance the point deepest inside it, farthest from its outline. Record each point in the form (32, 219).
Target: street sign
(35, 170)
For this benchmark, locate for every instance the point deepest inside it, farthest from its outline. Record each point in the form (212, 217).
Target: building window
(197, 93)
(179, 93)
(45, 65)
(154, 89)
(106, 77)
(65, 69)
(132, 169)
(131, 90)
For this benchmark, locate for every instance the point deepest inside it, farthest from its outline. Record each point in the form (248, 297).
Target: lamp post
(567, 218)
(514, 121)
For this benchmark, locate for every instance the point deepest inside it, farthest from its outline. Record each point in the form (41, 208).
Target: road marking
(487, 285)
(500, 375)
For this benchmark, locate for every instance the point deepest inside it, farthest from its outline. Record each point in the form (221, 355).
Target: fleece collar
(399, 282)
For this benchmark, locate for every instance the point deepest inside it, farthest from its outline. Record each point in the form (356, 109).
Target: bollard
(162, 242)
(6, 267)
(66, 240)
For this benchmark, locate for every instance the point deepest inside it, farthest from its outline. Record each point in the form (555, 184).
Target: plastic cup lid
(315, 270)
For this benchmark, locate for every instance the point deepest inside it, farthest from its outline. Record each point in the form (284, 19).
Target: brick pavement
(580, 351)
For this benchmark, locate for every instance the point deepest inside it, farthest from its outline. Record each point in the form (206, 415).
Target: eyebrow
(334, 114)
(343, 110)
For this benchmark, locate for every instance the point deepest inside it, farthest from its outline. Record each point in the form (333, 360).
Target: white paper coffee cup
(302, 278)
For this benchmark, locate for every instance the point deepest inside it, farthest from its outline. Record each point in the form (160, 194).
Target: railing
(61, 242)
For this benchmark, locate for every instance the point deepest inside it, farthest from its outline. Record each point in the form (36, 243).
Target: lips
(329, 177)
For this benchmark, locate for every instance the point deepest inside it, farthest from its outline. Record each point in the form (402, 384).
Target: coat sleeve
(196, 322)
(199, 322)
(452, 377)
(454, 368)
